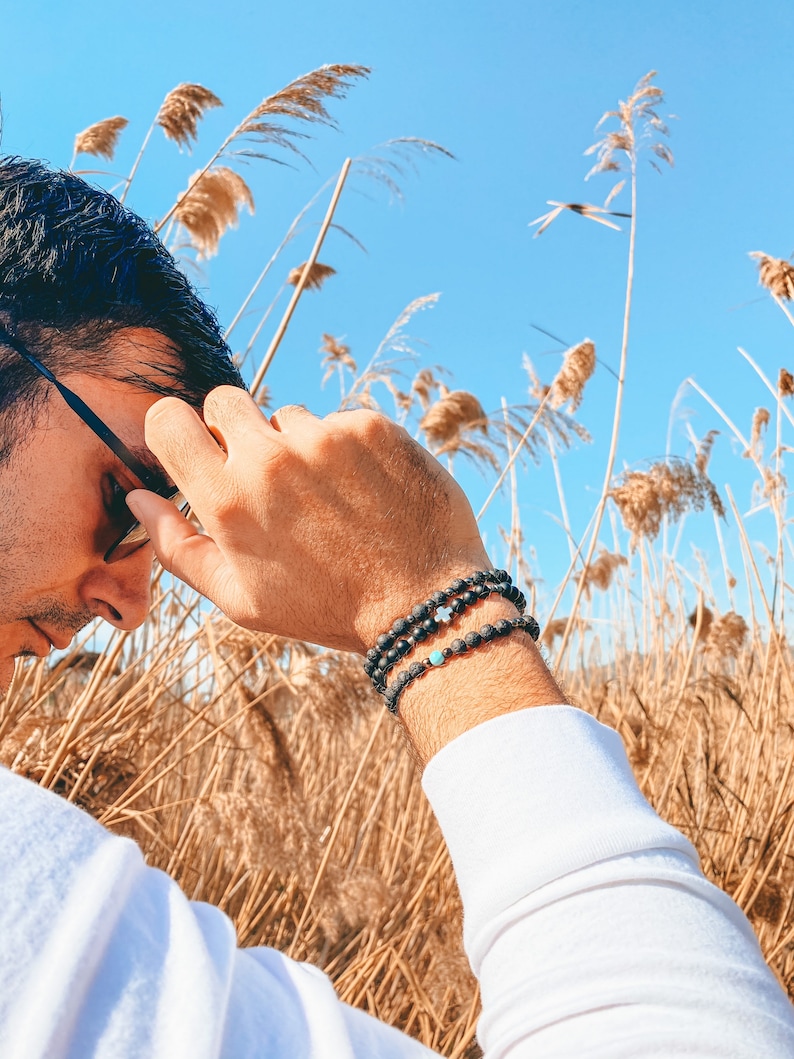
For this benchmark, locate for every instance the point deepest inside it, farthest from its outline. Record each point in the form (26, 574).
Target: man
(588, 922)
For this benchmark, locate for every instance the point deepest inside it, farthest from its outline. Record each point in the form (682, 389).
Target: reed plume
(318, 274)
(600, 572)
(668, 489)
(776, 274)
(182, 110)
(336, 357)
(209, 208)
(577, 368)
(101, 138)
(759, 425)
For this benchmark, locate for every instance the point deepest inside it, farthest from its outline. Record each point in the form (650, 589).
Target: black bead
(503, 626)
(420, 612)
(401, 679)
(484, 591)
(418, 634)
(415, 669)
(533, 628)
(400, 627)
(392, 655)
(473, 639)
(385, 641)
(383, 663)
(402, 647)
(487, 632)
(373, 654)
(457, 585)
(369, 668)
(439, 598)
(469, 598)
(503, 576)
(446, 652)
(430, 625)
(458, 647)
(431, 605)
(478, 577)
(457, 606)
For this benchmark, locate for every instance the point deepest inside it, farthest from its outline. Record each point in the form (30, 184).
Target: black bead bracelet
(424, 620)
(470, 642)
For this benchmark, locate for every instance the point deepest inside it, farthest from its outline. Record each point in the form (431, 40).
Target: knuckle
(161, 415)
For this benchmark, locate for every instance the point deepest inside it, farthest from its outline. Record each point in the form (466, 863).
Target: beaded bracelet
(470, 642)
(423, 621)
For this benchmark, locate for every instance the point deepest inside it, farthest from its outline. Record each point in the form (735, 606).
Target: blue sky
(514, 91)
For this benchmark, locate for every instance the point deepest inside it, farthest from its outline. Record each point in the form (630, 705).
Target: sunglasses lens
(136, 536)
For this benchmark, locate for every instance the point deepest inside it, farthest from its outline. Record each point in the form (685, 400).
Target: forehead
(120, 396)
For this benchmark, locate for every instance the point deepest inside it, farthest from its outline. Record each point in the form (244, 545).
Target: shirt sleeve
(103, 957)
(587, 919)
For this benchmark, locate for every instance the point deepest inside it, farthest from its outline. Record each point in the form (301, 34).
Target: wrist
(498, 677)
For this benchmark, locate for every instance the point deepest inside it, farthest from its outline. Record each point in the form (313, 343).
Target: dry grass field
(265, 776)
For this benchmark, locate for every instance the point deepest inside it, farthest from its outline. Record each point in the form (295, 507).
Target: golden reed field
(265, 776)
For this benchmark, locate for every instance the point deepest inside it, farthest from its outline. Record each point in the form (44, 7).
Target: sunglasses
(135, 536)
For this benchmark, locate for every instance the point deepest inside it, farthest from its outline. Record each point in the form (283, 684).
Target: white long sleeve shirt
(587, 921)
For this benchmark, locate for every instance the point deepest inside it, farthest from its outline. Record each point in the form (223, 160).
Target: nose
(120, 592)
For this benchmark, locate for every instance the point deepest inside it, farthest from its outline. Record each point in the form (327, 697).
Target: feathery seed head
(776, 274)
(639, 125)
(318, 274)
(182, 109)
(600, 572)
(452, 414)
(706, 620)
(577, 367)
(703, 454)
(668, 490)
(785, 383)
(760, 423)
(101, 138)
(726, 635)
(301, 100)
(337, 356)
(211, 205)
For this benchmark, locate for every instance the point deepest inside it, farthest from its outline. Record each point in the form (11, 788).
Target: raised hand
(318, 529)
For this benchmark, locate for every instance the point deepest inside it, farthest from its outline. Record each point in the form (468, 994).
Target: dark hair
(75, 268)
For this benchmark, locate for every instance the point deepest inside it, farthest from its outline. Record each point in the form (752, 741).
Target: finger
(231, 414)
(293, 417)
(191, 556)
(178, 438)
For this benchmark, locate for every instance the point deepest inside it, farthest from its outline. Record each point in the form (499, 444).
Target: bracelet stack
(429, 618)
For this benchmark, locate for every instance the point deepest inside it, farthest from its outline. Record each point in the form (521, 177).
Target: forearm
(497, 678)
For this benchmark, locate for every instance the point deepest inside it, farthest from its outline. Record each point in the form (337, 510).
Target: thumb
(182, 549)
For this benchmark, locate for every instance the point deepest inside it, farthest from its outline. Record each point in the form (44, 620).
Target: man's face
(62, 506)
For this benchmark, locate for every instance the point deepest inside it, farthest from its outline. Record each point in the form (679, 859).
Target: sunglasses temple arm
(105, 434)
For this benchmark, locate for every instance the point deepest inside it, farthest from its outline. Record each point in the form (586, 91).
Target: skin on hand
(324, 530)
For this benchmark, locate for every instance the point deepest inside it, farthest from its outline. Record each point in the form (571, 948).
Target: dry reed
(776, 274)
(101, 138)
(182, 109)
(208, 210)
(316, 277)
(667, 490)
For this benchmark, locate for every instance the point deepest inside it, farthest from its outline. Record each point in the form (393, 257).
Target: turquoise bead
(436, 658)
